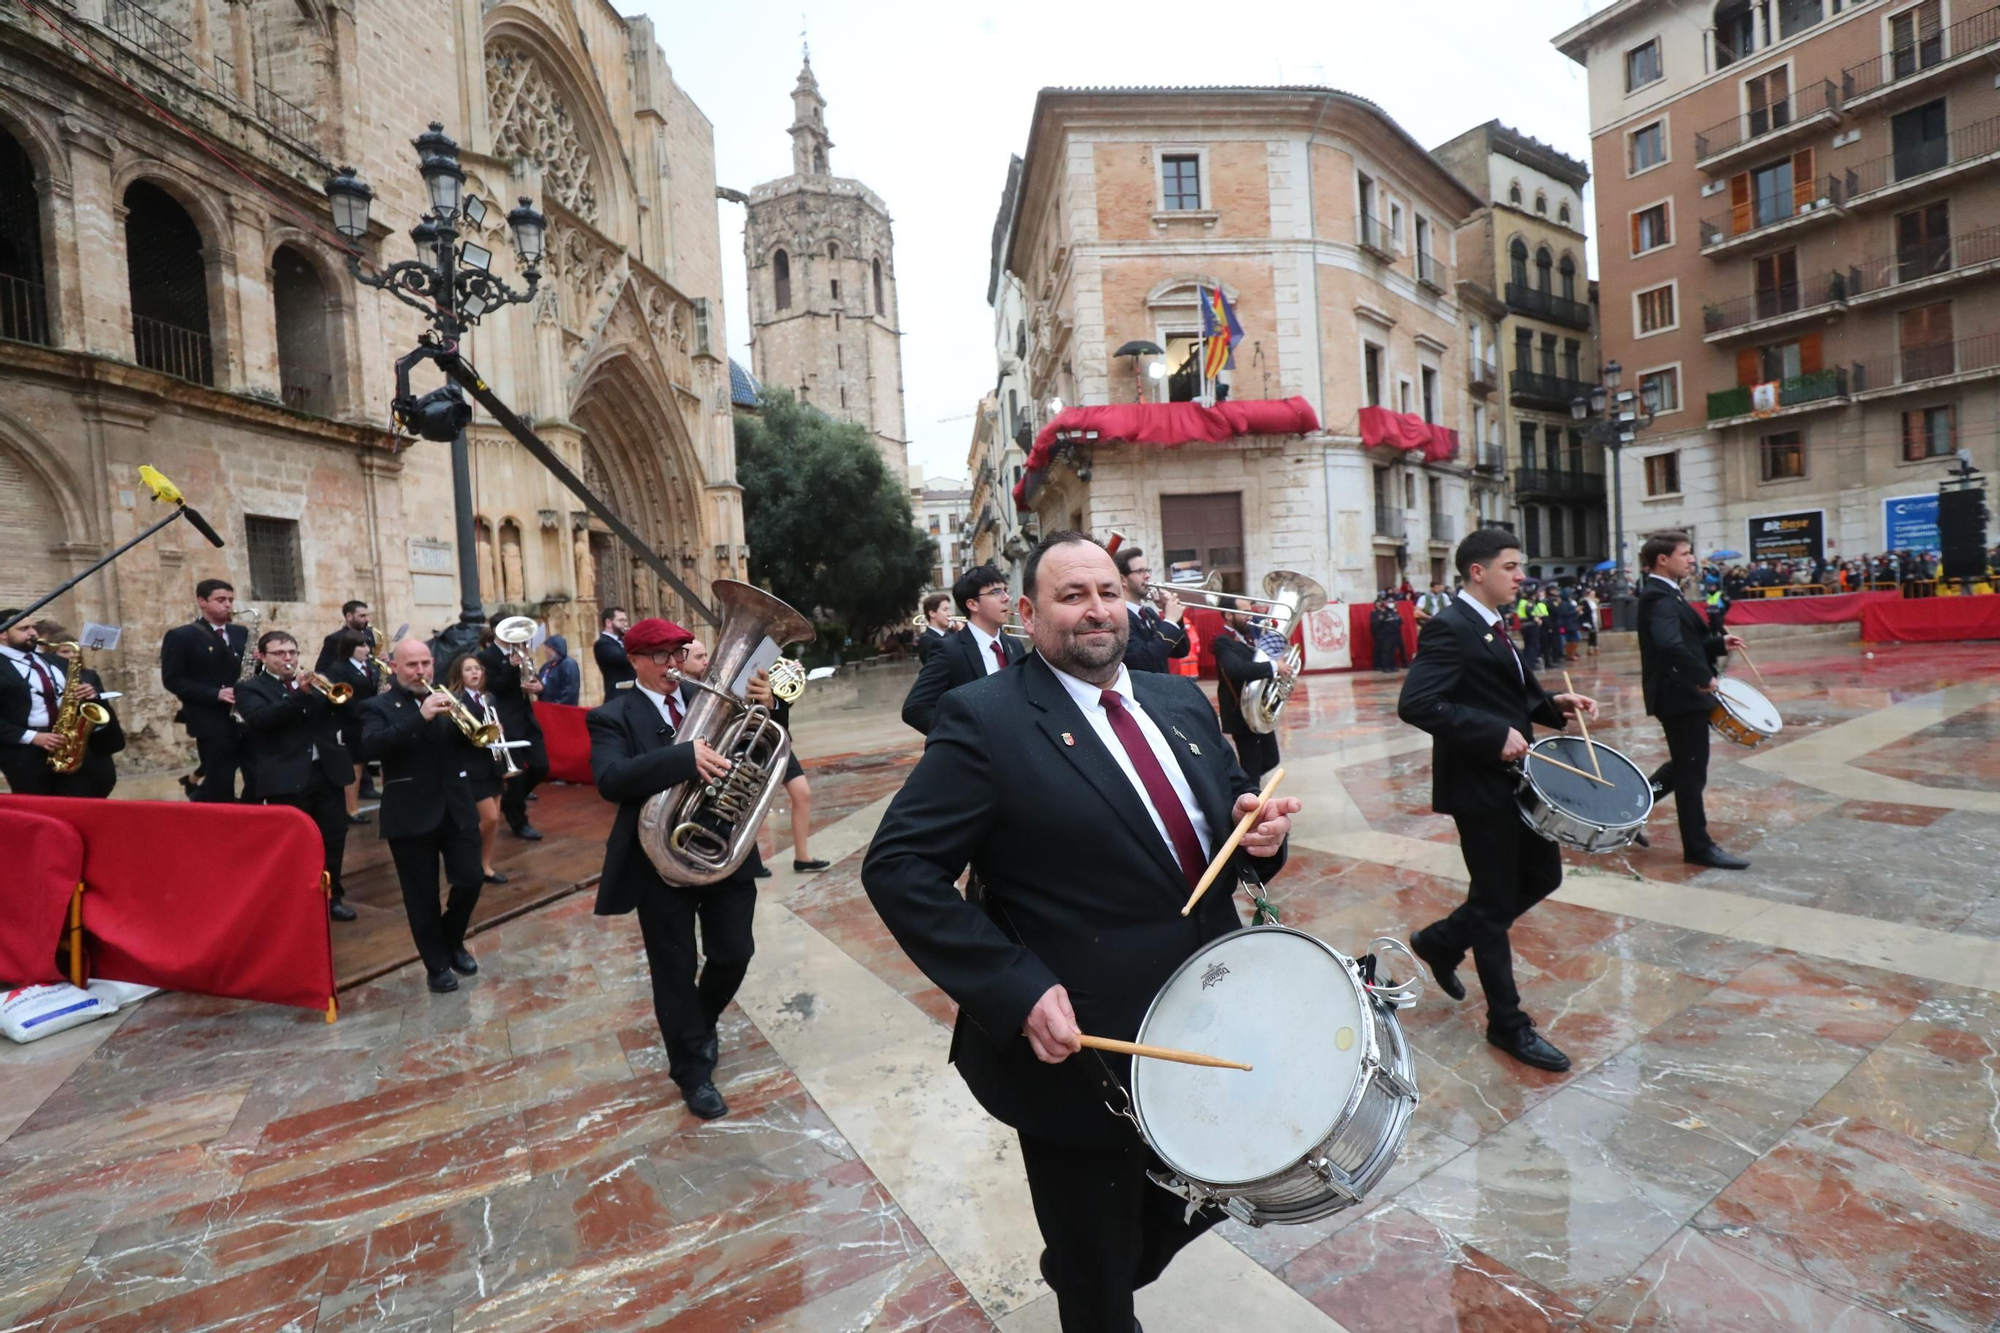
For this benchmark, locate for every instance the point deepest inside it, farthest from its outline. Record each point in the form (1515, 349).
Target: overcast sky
(925, 101)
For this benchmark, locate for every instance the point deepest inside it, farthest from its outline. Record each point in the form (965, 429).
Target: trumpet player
(489, 772)
(1154, 632)
(31, 690)
(1237, 663)
(295, 746)
(427, 809)
(513, 686)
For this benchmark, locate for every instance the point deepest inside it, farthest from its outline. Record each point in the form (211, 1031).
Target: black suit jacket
(285, 726)
(17, 696)
(514, 705)
(929, 642)
(1236, 665)
(425, 765)
(97, 775)
(329, 649)
(956, 662)
(633, 757)
(1678, 651)
(1151, 640)
(365, 680)
(1079, 887)
(194, 666)
(612, 662)
(1464, 689)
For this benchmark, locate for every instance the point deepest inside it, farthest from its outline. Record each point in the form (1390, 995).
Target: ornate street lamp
(1614, 430)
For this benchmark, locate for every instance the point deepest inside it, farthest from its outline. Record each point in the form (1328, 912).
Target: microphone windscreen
(193, 515)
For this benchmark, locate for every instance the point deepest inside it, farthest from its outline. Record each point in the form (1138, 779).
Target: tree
(828, 524)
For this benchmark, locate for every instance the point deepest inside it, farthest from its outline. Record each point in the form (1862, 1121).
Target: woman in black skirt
(467, 681)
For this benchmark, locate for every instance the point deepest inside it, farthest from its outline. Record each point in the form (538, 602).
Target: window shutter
(1804, 188)
(1739, 203)
(1810, 362)
(1913, 435)
(1636, 247)
(1748, 371)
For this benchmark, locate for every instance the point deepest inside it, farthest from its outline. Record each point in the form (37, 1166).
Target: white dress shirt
(1086, 696)
(660, 702)
(1492, 619)
(38, 707)
(1664, 579)
(986, 642)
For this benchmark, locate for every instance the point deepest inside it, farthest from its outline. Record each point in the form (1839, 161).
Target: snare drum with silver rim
(1575, 811)
(1742, 713)
(1322, 1114)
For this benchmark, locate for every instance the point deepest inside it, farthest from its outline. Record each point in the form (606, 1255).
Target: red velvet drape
(43, 867)
(567, 739)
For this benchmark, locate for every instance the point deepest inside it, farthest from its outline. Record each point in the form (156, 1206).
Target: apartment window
(1769, 97)
(1544, 265)
(1423, 236)
(1531, 531)
(1642, 66)
(1649, 228)
(1396, 225)
(1771, 197)
(1656, 309)
(1575, 450)
(1409, 491)
(1663, 474)
(1665, 383)
(1917, 140)
(1549, 355)
(1795, 16)
(1923, 241)
(1777, 283)
(1429, 380)
(1735, 31)
(1403, 403)
(1916, 39)
(1783, 456)
(1366, 189)
(1780, 361)
(1180, 175)
(1929, 432)
(1517, 262)
(1552, 448)
(1572, 349)
(274, 559)
(1528, 435)
(1371, 369)
(1566, 270)
(1925, 336)
(1524, 351)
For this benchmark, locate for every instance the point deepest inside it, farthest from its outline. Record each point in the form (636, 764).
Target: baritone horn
(1292, 596)
(516, 635)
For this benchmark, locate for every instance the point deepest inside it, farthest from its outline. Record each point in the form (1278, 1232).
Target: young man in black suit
(634, 756)
(353, 616)
(1086, 798)
(937, 625)
(1479, 700)
(294, 743)
(609, 650)
(427, 809)
(1678, 652)
(200, 663)
(98, 775)
(1154, 636)
(31, 689)
(514, 693)
(1236, 665)
(973, 653)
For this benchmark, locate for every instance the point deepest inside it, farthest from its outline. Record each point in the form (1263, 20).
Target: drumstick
(1753, 665)
(1550, 759)
(1160, 1053)
(1243, 826)
(1584, 723)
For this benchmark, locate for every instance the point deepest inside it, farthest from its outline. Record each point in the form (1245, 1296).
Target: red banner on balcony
(1170, 424)
(1408, 431)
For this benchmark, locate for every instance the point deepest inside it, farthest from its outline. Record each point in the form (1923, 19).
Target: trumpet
(483, 734)
(336, 692)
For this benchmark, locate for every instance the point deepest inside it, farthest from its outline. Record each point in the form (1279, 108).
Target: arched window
(1544, 262)
(1514, 194)
(833, 251)
(880, 307)
(1517, 262)
(781, 279)
(819, 161)
(169, 285)
(1567, 269)
(1562, 213)
(1541, 203)
(305, 370)
(24, 301)
(1735, 31)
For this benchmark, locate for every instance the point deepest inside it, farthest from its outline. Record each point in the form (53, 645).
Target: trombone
(1278, 615)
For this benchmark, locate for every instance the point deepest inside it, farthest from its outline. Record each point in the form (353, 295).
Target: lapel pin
(1192, 747)
(1178, 732)
(1068, 739)
(1489, 638)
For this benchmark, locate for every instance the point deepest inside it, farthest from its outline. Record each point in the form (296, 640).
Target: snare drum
(1322, 1115)
(1576, 811)
(1742, 713)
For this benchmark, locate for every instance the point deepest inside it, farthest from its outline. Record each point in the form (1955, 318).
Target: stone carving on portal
(531, 121)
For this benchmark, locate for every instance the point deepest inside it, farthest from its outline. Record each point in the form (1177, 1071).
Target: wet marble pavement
(1784, 1115)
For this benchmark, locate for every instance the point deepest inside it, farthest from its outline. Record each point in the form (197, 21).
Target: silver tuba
(1291, 596)
(699, 832)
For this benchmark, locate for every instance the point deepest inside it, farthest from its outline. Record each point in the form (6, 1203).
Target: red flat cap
(654, 635)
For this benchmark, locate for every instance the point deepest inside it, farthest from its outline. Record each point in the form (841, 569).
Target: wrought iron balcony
(1481, 375)
(1748, 223)
(1547, 481)
(1786, 118)
(1939, 262)
(1375, 237)
(1551, 391)
(1774, 307)
(1389, 522)
(1444, 527)
(24, 310)
(1923, 62)
(172, 350)
(1922, 365)
(1923, 164)
(1432, 272)
(1492, 459)
(1547, 305)
(1822, 387)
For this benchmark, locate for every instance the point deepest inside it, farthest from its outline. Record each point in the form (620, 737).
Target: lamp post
(1628, 414)
(450, 283)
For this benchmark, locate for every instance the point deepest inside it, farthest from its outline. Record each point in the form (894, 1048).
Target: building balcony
(1882, 80)
(1801, 393)
(24, 310)
(1927, 366)
(1547, 305)
(1433, 272)
(1753, 224)
(1894, 177)
(1775, 308)
(1491, 459)
(1481, 376)
(139, 29)
(1535, 481)
(1910, 270)
(1444, 527)
(1375, 239)
(1389, 524)
(1554, 392)
(1806, 111)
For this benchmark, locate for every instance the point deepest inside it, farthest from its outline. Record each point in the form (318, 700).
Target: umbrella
(1140, 347)
(1725, 555)
(1604, 565)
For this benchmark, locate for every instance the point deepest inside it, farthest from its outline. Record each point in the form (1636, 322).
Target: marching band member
(609, 650)
(99, 772)
(1084, 871)
(200, 663)
(937, 625)
(1236, 665)
(1479, 700)
(487, 772)
(1154, 636)
(353, 665)
(976, 651)
(31, 690)
(294, 742)
(513, 692)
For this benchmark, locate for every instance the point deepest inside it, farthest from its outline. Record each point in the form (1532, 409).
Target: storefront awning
(1408, 431)
(1168, 425)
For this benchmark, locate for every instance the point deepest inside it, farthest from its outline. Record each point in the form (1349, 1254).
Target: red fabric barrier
(1171, 424)
(1896, 619)
(566, 737)
(1407, 431)
(1829, 609)
(210, 899)
(1361, 639)
(44, 866)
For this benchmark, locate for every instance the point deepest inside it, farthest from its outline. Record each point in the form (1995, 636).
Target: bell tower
(810, 144)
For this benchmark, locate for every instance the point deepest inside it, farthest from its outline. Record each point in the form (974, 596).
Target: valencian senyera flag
(1219, 331)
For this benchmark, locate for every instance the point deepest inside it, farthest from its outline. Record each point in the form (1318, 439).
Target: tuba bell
(516, 635)
(699, 832)
(1292, 596)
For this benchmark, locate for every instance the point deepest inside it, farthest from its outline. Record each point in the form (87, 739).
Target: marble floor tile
(1692, 1284)
(1935, 1078)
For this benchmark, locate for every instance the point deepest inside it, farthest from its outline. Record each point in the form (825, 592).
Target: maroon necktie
(48, 687)
(674, 713)
(999, 654)
(1167, 802)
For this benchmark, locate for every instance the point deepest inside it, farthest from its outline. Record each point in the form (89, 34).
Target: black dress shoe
(495, 877)
(339, 911)
(1642, 839)
(528, 833)
(763, 872)
(1445, 973)
(1717, 859)
(804, 866)
(441, 980)
(706, 1102)
(1530, 1048)
(463, 963)
(368, 792)
(358, 819)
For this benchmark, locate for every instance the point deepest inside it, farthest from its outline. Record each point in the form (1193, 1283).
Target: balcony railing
(1492, 459)
(1547, 305)
(1444, 528)
(24, 310)
(1431, 272)
(1962, 147)
(1375, 236)
(1554, 389)
(1547, 481)
(1920, 363)
(1481, 374)
(1775, 303)
(1928, 259)
(1823, 195)
(1817, 387)
(173, 350)
(1902, 63)
(1389, 521)
(138, 27)
(1809, 101)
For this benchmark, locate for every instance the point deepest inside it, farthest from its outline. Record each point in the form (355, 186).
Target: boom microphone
(193, 516)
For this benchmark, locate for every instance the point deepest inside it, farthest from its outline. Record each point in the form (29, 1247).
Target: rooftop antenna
(805, 46)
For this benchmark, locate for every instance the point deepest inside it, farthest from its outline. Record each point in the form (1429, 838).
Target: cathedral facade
(822, 271)
(172, 293)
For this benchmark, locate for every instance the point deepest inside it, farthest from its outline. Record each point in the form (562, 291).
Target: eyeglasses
(993, 592)
(666, 658)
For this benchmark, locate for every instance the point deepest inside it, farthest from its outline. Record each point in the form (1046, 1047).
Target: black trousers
(326, 805)
(1513, 868)
(1685, 774)
(1109, 1230)
(221, 757)
(27, 771)
(438, 935)
(687, 1004)
(514, 796)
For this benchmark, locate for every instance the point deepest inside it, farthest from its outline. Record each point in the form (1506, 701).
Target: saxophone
(75, 717)
(251, 664)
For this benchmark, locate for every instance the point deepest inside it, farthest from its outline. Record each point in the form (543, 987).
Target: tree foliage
(828, 524)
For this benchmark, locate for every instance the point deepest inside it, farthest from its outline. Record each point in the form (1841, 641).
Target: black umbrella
(1140, 347)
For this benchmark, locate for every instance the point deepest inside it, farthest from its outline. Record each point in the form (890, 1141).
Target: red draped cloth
(1169, 424)
(1407, 430)
(1361, 638)
(1896, 619)
(566, 737)
(44, 866)
(1830, 609)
